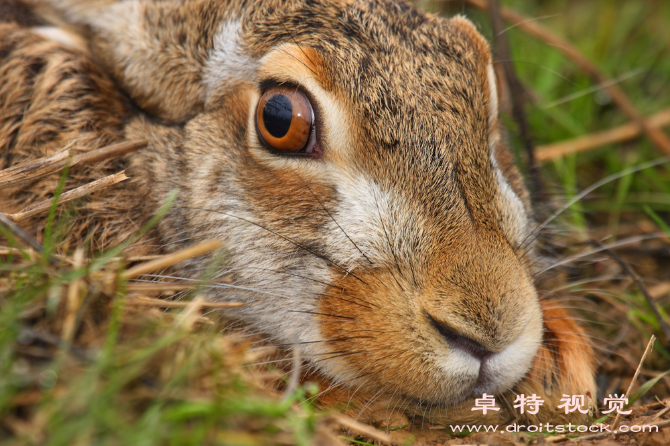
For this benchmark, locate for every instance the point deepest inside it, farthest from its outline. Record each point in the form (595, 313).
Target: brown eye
(284, 119)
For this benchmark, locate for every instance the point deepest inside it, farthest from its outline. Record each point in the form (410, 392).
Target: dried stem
(594, 140)
(143, 301)
(70, 195)
(363, 429)
(172, 259)
(517, 94)
(33, 170)
(20, 233)
(661, 424)
(647, 350)
(73, 302)
(294, 379)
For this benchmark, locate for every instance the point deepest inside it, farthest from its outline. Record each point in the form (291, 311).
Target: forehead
(383, 55)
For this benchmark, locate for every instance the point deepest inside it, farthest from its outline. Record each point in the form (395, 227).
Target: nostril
(459, 341)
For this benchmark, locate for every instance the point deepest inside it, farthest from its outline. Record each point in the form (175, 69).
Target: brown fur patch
(55, 98)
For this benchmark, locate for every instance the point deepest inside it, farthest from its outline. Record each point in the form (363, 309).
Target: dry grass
(87, 358)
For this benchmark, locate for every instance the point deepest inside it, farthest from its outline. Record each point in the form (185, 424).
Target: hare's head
(349, 155)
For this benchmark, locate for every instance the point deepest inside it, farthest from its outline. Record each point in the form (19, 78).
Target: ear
(163, 54)
(469, 30)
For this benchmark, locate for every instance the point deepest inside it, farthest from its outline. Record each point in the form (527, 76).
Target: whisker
(388, 242)
(310, 279)
(519, 60)
(299, 245)
(323, 314)
(348, 338)
(593, 89)
(532, 19)
(220, 285)
(594, 186)
(335, 221)
(634, 239)
(585, 281)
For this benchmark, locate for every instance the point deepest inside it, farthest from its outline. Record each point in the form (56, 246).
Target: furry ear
(157, 51)
(469, 31)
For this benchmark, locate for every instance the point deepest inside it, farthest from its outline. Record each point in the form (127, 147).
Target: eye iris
(277, 115)
(284, 120)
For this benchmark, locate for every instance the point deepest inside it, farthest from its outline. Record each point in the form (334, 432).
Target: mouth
(479, 376)
(486, 382)
(484, 370)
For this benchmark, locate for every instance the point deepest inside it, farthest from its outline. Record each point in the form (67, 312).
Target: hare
(349, 156)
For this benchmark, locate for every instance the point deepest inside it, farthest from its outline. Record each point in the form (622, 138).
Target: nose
(459, 341)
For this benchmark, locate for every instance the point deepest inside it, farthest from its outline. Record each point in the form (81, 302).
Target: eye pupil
(277, 115)
(284, 121)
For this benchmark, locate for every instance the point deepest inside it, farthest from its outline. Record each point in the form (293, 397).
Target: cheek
(287, 200)
(512, 198)
(512, 210)
(365, 330)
